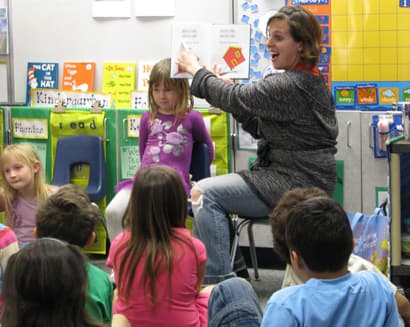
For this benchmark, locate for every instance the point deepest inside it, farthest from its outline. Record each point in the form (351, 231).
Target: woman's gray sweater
(293, 116)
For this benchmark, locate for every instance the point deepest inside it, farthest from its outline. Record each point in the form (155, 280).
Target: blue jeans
(221, 196)
(234, 303)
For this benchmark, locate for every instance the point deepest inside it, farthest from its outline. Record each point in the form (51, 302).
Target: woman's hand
(216, 69)
(188, 61)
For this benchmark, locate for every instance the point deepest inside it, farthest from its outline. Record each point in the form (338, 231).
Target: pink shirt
(8, 246)
(24, 219)
(182, 306)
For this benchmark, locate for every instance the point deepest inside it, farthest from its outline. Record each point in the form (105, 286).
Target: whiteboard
(64, 30)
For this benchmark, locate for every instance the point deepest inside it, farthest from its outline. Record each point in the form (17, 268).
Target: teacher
(292, 114)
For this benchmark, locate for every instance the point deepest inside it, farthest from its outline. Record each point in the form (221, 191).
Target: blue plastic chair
(200, 162)
(81, 149)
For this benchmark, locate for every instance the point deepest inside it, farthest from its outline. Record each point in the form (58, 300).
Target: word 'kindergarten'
(49, 97)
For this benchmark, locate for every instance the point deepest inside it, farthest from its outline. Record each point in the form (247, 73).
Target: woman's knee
(195, 194)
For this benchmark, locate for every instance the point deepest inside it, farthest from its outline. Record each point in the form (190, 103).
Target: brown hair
(161, 73)
(67, 215)
(158, 204)
(304, 28)
(279, 216)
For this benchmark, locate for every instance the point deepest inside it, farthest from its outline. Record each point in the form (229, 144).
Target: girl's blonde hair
(161, 73)
(26, 154)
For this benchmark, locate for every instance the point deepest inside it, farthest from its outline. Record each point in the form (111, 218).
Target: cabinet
(365, 177)
(399, 153)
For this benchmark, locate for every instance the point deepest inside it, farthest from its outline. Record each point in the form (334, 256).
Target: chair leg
(237, 229)
(252, 249)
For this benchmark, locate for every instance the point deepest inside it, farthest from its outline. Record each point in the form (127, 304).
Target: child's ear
(296, 259)
(35, 233)
(91, 239)
(36, 166)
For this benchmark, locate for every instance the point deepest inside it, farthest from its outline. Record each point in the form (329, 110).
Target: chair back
(81, 149)
(200, 162)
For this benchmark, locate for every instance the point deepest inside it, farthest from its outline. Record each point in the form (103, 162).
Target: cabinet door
(374, 170)
(349, 150)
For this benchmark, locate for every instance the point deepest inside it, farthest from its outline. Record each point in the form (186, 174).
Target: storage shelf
(399, 187)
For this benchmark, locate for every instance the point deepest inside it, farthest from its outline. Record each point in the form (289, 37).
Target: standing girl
(158, 266)
(23, 189)
(167, 134)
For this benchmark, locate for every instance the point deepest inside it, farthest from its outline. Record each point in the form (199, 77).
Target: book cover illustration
(78, 76)
(227, 46)
(119, 81)
(41, 75)
(144, 71)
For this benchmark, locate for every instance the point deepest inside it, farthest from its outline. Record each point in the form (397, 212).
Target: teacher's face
(284, 50)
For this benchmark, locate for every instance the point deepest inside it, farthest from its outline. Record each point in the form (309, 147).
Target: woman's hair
(305, 28)
(24, 153)
(158, 204)
(45, 285)
(280, 215)
(161, 73)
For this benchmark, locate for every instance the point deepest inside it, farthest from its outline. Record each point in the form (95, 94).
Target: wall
(64, 30)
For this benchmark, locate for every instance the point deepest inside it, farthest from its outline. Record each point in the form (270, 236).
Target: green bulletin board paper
(130, 161)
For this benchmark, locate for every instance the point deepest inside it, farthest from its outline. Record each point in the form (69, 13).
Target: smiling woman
(293, 116)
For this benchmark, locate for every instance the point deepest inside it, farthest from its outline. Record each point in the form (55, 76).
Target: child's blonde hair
(26, 154)
(161, 73)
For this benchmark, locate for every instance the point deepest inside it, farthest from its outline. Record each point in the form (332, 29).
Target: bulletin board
(256, 13)
(64, 30)
(371, 53)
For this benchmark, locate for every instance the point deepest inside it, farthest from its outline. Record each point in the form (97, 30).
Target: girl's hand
(188, 61)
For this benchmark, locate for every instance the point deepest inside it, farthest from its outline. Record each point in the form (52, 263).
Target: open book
(224, 45)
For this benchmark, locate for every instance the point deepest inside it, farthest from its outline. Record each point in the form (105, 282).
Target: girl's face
(19, 175)
(284, 50)
(164, 98)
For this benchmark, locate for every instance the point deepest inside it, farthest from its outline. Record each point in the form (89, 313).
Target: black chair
(239, 223)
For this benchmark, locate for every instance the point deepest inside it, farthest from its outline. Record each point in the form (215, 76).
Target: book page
(197, 38)
(230, 50)
(224, 45)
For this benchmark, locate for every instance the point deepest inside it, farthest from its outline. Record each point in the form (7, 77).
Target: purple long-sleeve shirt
(169, 142)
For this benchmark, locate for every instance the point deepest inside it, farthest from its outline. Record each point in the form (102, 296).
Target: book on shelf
(144, 71)
(119, 81)
(227, 46)
(41, 75)
(78, 76)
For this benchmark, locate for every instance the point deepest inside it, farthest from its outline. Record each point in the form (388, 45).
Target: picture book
(78, 76)
(227, 46)
(119, 81)
(41, 75)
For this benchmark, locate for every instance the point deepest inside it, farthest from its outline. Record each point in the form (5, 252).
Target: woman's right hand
(188, 61)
